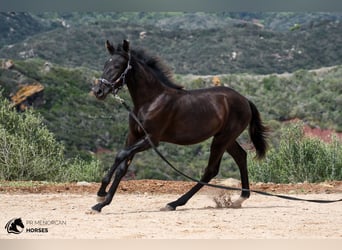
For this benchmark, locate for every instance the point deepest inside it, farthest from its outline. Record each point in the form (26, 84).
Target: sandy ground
(132, 215)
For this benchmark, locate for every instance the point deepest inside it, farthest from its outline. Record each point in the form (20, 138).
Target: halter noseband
(122, 77)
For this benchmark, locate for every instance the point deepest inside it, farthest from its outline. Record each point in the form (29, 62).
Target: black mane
(162, 71)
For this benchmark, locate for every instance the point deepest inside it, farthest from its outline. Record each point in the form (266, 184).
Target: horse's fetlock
(100, 199)
(105, 180)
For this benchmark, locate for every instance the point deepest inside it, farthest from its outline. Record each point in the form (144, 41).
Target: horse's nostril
(96, 90)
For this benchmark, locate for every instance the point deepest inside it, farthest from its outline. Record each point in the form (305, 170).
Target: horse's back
(216, 91)
(232, 107)
(221, 95)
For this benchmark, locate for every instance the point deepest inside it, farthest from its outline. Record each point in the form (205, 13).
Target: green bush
(79, 170)
(299, 159)
(29, 151)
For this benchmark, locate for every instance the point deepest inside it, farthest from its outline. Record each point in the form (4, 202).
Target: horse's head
(114, 71)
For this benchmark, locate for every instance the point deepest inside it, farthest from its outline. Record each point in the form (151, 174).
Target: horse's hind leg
(240, 157)
(216, 151)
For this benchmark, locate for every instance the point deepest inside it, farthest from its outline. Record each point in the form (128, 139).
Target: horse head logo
(15, 226)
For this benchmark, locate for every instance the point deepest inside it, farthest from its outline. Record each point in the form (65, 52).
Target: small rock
(83, 183)
(229, 182)
(324, 184)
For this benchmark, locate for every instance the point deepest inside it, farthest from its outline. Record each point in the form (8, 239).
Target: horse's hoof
(97, 208)
(92, 211)
(100, 199)
(168, 208)
(238, 203)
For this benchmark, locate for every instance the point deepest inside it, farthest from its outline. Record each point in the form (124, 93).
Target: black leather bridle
(113, 85)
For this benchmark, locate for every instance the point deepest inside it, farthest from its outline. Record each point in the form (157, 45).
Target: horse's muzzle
(99, 92)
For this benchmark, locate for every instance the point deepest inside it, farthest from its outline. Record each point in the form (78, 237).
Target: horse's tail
(258, 132)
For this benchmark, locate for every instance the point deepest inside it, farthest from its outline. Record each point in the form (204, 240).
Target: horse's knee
(121, 156)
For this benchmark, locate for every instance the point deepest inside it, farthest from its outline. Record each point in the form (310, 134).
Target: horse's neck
(144, 87)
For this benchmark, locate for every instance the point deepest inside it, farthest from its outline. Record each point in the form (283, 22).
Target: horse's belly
(185, 140)
(191, 133)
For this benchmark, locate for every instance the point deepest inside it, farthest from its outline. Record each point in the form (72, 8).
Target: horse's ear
(110, 47)
(125, 45)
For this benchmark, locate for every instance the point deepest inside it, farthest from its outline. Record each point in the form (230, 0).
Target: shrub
(79, 170)
(299, 159)
(29, 151)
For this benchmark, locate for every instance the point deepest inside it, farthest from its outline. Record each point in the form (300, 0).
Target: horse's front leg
(101, 194)
(120, 167)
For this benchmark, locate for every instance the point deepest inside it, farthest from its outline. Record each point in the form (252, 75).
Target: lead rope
(122, 101)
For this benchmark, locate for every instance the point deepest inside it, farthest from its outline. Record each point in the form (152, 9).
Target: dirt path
(135, 215)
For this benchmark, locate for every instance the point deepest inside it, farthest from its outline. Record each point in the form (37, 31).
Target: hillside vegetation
(29, 151)
(197, 43)
(86, 126)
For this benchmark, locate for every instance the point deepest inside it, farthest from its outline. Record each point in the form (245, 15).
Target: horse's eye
(117, 66)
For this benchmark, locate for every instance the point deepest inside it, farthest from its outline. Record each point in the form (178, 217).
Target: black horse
(172, 114)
